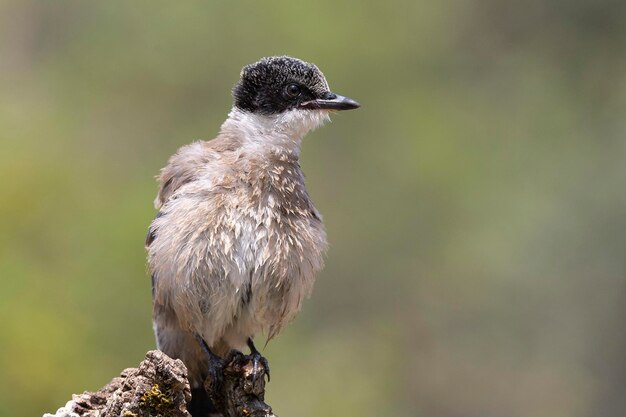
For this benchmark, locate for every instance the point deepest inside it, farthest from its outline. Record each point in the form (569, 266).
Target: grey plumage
(237, 242)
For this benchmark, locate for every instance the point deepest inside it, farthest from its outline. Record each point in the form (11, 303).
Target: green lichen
(158, 403)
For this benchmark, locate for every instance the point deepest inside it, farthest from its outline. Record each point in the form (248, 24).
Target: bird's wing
(182, 168)
(177, 240)
(186, 165)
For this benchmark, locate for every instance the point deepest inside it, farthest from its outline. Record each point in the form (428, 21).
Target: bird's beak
(331, 102)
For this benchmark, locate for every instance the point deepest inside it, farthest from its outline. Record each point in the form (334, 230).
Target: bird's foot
(258, 361)
(236, 384)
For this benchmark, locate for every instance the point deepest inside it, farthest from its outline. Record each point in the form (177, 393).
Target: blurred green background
(475, 204)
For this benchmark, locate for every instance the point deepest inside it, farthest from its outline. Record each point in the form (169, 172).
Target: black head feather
(267, 86)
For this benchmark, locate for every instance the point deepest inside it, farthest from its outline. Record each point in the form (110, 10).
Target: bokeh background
(475, 204)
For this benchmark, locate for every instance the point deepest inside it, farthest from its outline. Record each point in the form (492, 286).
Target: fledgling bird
(236, 243)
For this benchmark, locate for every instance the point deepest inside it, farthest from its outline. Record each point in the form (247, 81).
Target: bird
(236, 243)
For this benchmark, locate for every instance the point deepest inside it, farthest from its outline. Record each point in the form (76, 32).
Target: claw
(231, 386)
(257, 359)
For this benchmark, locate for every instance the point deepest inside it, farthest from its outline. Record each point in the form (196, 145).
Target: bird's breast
(279, 240)
(277, 229)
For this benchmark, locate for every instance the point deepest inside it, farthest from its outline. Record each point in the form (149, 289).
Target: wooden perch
(159, 388)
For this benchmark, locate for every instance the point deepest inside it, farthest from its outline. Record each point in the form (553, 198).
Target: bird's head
(292, 93)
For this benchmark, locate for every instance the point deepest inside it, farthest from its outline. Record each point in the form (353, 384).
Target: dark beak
(331, 101)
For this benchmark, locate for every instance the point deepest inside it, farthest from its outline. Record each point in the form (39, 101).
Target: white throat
(280, 132)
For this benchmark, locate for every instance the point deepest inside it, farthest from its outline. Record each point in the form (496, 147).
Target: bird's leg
(216, 363)
(258, 359)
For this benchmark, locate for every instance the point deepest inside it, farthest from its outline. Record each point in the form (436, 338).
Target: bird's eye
(293, 90)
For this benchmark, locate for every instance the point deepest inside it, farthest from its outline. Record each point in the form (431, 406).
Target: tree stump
(159, 388)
